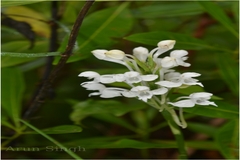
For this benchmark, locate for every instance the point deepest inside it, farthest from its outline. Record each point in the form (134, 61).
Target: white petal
(129, 94)
(144, 95)
(89, 74)
(110, 93)
(183, 103)
(191, 74)
(143, 98)
(172, 75)
(178, 53)
(94, 94)
(99, 53)
(131, 74)
(212, 103)
(93, 86)
(181, 63)
(185, 58)
(158, 61)
(169, 84)
(149, 77)
(159, 91)
(141, 53)
(115, 54)
(107, 79)
(119, 77)
(206, 103)
(205, 95)
(193, 83)
(168, 62)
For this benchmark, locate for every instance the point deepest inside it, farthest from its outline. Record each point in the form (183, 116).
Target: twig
(52, 47)
(66, 54)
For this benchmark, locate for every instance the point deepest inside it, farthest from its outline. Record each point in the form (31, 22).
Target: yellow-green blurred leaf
(35, 19)
(8, 3)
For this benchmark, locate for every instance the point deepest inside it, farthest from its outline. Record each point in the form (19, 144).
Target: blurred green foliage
(120, 127)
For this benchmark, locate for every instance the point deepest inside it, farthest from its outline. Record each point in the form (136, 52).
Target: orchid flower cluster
(150, 78)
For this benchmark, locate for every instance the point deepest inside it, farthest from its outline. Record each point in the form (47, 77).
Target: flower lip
(132, 77)
(140, 89)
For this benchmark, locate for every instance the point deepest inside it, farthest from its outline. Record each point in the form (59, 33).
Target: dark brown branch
(66, 54)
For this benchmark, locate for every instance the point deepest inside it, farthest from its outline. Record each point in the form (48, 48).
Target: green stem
(177, 133)
(10, 139)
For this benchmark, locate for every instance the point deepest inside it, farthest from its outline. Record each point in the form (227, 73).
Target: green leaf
(235, 10)
(115, 120)
(218, 13)
(202, 128)
(12, 90)
(172, 9)
(90, 107)
(8, 3)
(183, 41)
(140, 119)
(20, 47)
(5, 122)
(71, 153)
(60, 129)
(29, 55)
(100, 29)
(122, 143)
(227, 138)
(229, 71)
(203, 145)
(126, 142)
(224, 110)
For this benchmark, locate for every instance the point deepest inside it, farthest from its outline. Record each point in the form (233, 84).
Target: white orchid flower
(103, 91)
(144, 93)
(108, 55)
(116, 56)
(163, 46)
(176, 58)
(135, 77)
(200, 98)
(140, 77)
(108, 78)
(175, 79)
(130, 77)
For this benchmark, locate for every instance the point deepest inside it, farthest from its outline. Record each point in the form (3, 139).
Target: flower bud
(115, 54)
(141, 53)
(99, 53)
(166, 44)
